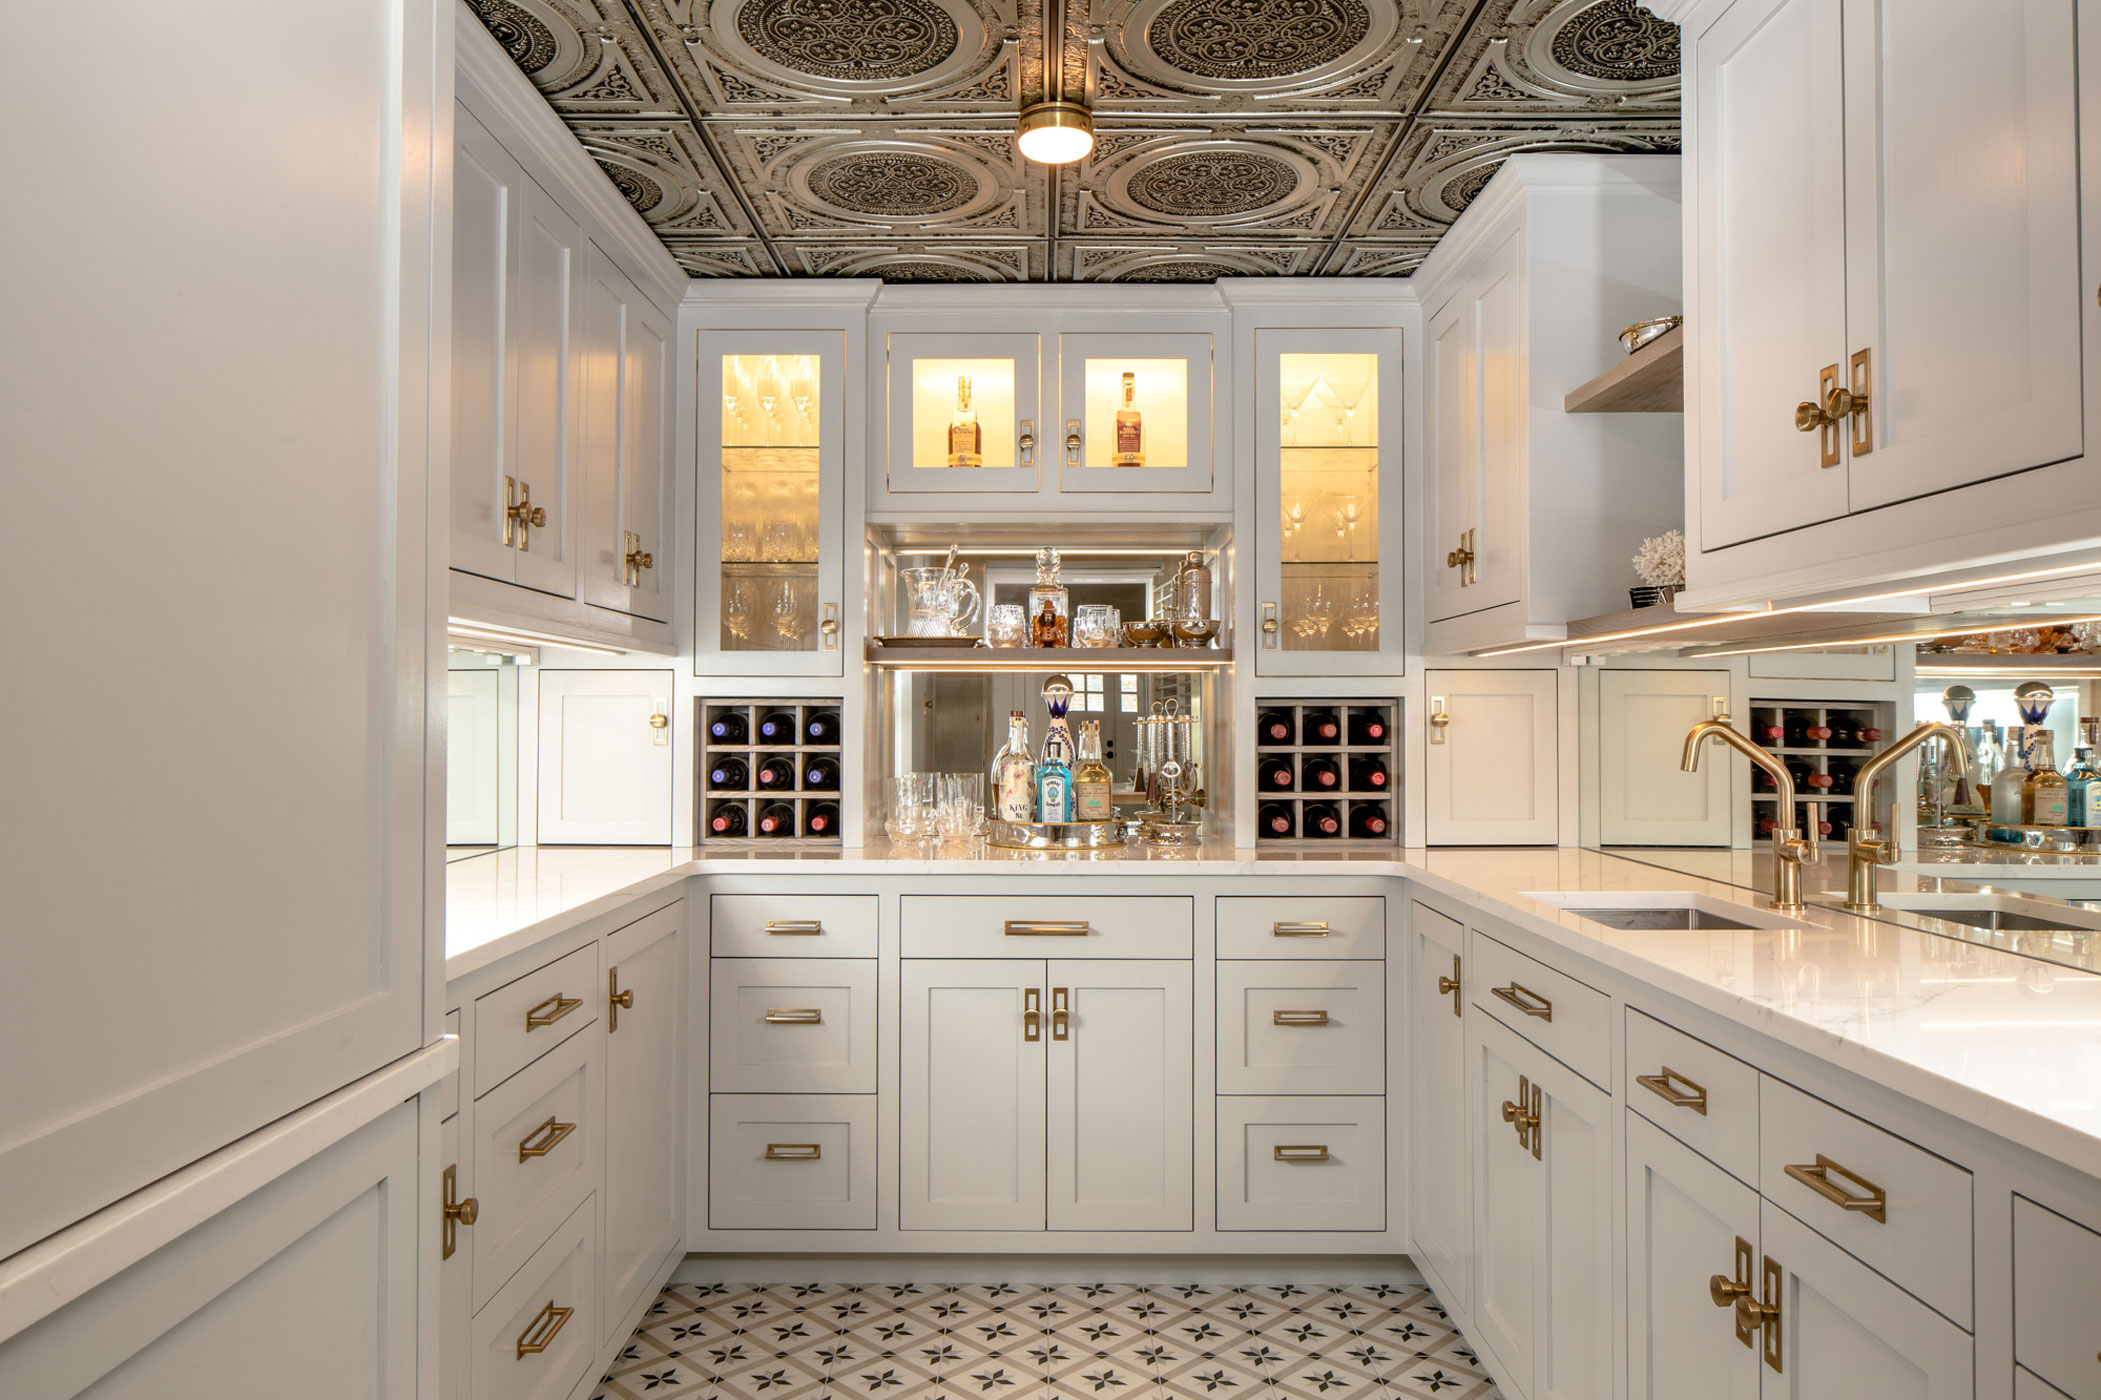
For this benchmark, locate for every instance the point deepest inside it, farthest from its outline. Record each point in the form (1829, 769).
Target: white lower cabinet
(645, 1046)
(1440, 1205)
(538, 1336)
(1302, 1028)
(791, 1161)
(1302, 1162)
(309, 1283)
(1542, 1218)
(1046, 1095)
(1688, 1224)
(1490, 762)
(2056, 1276)
(792, 1026)
(537, 1149)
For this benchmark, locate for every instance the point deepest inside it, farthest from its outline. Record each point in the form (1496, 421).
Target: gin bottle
(1054, 765)
(2083, 779)
(1014, 774)
(2008, 784)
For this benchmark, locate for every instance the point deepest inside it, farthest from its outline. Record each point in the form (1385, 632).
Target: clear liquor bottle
(966, 442)
(1014, 774)
(1130, 428)
(2083, 779)
(2044, 791)
(1050, 605)
(1091, 801)
(2009, 782)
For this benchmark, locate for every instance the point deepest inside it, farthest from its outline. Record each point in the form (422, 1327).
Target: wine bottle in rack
(1367, 727)
(1320, 775)
(1273, 728)
(1842, 777)
(1803, 731)
(1274, 775)
(729, 775)
(1317, 727)
(1368, 821)
(777, 774)
(1767, 825)
(1847, 734)
(820, 773)
(727, 819)
(776, 819)
(823, 819)
(1320, 819)
(822, 727)
(1273, 820)
(777, 727)
(1769, 732)
(1762, 781)
(1368, 773)
(729, 728)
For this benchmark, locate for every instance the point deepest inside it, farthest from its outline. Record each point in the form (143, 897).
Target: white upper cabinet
(1532, 512)
(965, 413)
(1134, 413)
(626, 371)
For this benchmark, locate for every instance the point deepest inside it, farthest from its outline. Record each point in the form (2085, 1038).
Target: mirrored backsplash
(481, 752)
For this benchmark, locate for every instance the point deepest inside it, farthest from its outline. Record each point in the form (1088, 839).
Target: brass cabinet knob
(1752, 1314)
(1457, 557)
(1447, 985)
(1725, 1290)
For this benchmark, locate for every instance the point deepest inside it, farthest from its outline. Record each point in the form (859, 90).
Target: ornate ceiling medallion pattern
(873, 56)
(1212, 185)
(529, 42)
(892, 184)
(850, 41)
(1223, 53)
(1236, 40)
(1616, 41)
(665, 173)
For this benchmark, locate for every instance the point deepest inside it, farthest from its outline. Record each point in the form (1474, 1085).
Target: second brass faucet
(1863, 854)
(1791, 849)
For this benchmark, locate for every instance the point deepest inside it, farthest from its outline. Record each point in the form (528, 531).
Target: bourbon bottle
(966, 442)
(1130, 428)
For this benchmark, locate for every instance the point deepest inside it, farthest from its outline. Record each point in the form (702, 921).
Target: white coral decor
(1661, 560)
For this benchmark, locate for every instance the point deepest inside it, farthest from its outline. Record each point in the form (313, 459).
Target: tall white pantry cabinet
(214, 1130)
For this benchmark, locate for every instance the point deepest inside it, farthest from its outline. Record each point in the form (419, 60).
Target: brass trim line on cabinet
(795, 1016)
(1692, 1096)
(1817, 1177)
(534, 1144)
(1298, 1018)
(1300, 1152)
(800, 927)
(794, 1151)
(1516, 995)
(534, 1339)
(540, 1016)
(1317, 928)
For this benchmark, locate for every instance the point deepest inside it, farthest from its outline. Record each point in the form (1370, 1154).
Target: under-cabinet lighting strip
(1724, 619)
(1030, 552)
(1830, 643)
(502, 637)
(2079, 673)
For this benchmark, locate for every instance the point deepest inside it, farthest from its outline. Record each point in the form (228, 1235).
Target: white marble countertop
(2008, 1042)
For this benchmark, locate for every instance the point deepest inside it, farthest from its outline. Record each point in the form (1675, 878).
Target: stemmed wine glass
(769, 390)
(1293, 407)
(802, 388)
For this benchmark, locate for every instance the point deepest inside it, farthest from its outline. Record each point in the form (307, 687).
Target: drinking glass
(787, 611)
(1007, 625)
(911, 803)
(1096, 625)
(736, 610)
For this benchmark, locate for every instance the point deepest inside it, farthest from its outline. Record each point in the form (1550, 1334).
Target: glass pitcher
(937, 603)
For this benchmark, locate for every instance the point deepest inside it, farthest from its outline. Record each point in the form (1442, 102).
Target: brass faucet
(1790, 849)
(1864, 854)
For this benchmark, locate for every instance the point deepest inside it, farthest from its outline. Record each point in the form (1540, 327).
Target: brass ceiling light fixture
(1056, 130)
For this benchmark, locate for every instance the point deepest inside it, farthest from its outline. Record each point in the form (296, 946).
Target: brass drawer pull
(1874, 1204)
(1449, 987)
(795, 926)
(456, 1212)
(1301, 1152)
(1298, 1018)
(542, 1140)
(1047, 928)
(1315, 928)
(1692, 1096)
(795, 1016)
(794, 1151)
(541, 1331)
(616, 1000)
(551, 1010)
(1525, 1000)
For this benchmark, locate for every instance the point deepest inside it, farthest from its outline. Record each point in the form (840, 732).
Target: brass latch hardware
(1726, 1291)
(1072, 441)
(1863, 411)
(1317, 928)
(543, 1139)
(1754, 1315)
(1663, 1086)
(1449, 987)
(1834, 405)
(1873, 1202)
(1525, 1000)
(795, 1016)
(794, 926)
(1061, 1014)
(1300, 1152)
(1031, 1014)
(660, 724)
(617, 1001)
(1026, 443)
(540, 1332)
(1463, 559)
(634, 559)
(1270, 628)
(1298, 1018)
(520, 516)
(794, 1152)
(1439, 720)
(457, 1212)
(828, 626)
(1524, 1115)
(550, 1011)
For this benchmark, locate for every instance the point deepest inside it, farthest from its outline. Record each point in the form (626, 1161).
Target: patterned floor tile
(1100, 1341)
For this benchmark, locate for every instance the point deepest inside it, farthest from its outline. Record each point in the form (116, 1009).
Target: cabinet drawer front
(536, 1155)
(1318, 1028)
(536, 1338)
(791, 1162)
(1300, 927)
(792, 925)
(1705, 1098)
(1047, 926)
(1302, 1163)
(1565, 1018)
(1922, 1242)
(792, 1026)
(2056, 1298)
(523, 1020)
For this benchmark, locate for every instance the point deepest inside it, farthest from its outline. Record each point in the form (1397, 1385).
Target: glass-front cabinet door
(768, 538)
(1328, 485)
(963, 411)
(1135, 413)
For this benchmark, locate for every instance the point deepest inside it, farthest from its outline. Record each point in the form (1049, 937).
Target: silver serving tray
(2071, 839)
(937, 643)
(1056, 836)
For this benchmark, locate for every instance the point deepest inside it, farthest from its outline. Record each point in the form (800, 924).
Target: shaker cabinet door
(545, 308)
(645, 1021)
(1685, 1217)
(1975, 376)
(624, 553)
(1492, 758)
(971, 1124)
(1122, 1118)
(1440, 1208)
(605, 762)
(486, 187)
(1644, 797)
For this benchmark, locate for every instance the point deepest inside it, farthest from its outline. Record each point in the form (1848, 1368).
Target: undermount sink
(1659, 910)
(2000, 915)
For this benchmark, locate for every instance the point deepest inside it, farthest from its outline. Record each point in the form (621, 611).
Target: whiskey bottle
(1130, 430)
(2044, 793)
(1091, 801)
(1050, 605)
(2083, 779)
(966, 444)
(1014, 774)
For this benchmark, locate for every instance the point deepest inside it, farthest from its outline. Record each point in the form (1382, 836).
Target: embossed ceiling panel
(1235, 137)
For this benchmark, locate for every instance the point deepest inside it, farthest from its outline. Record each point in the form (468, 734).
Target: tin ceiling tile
(666, 173)
(587, 57)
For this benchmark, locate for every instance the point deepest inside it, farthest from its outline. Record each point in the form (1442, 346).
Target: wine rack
(1839, 758)
(1302, 751)
(744, 747)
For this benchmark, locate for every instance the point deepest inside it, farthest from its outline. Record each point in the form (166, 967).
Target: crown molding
(745, 293)
(1540, 172)
(499, 94)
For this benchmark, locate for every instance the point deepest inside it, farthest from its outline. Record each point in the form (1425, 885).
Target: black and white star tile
(1127, 1341)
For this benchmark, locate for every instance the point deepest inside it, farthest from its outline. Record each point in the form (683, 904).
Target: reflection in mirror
(481, 752)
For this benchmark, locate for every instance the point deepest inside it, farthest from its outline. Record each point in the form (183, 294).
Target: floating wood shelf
(1651, 380)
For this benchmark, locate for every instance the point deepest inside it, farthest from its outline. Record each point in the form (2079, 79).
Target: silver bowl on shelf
(1194, 634)
(1642, 332)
